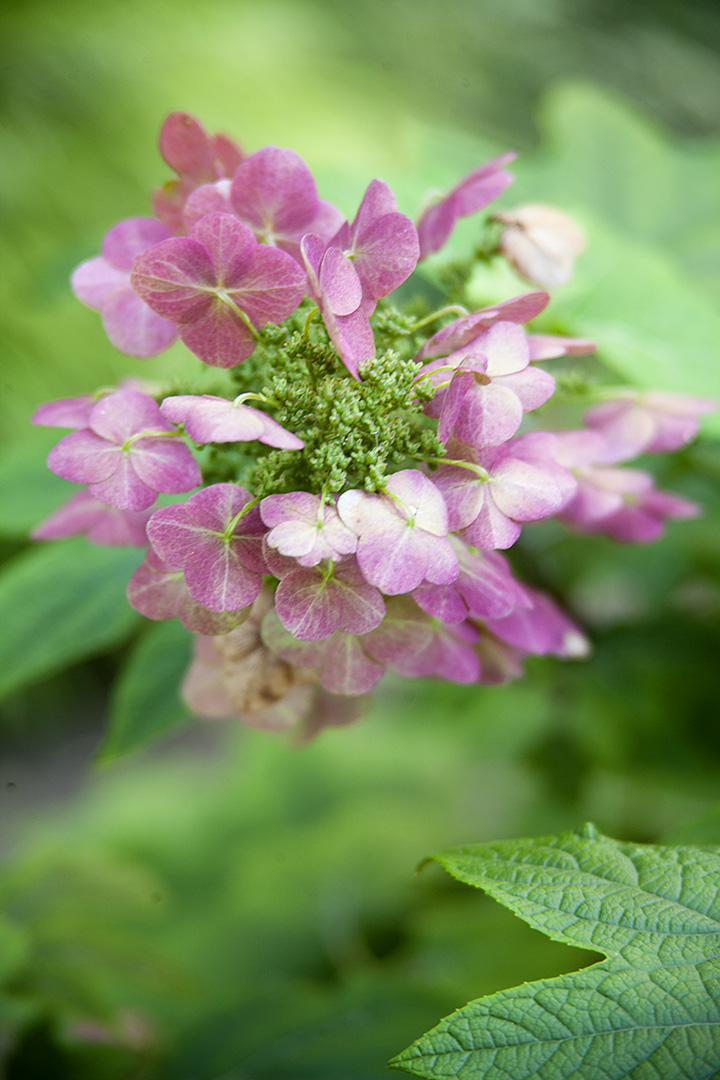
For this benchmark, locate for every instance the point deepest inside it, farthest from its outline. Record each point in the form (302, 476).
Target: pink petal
(209, 419)
(176, 278)
(462, 331)
(219, 338)
(84, 457)
(186, 146)
(274, 192)
(95, 280)
(550, 346)
(134, 328)
(165, 465)
(124, 489)
(266, 283)
(100, 523)
(125, 413)
(340, 283)
(207, 199)
(71, 412)
(533, 386)
(128, 238)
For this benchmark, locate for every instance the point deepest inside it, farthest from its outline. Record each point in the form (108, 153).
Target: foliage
(651, 1008)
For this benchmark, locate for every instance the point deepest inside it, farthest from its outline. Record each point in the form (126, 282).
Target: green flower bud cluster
(355, 433)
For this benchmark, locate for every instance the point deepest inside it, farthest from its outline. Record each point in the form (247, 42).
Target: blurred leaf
(146, 700)
(13, 948)
(29, 492)
(61, 602)
(651, 1008)
(651, 326)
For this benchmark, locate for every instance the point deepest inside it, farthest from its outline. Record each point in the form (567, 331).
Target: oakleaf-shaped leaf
(650, 1010)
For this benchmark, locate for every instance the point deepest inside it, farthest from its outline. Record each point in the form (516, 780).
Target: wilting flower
(541, 243)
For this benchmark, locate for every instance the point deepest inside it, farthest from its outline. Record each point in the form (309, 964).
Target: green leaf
(146, 700)
(651, 1009)
(29, 492)
(61, 602)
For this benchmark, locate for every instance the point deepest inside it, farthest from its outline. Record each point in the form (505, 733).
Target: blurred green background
(219, 905)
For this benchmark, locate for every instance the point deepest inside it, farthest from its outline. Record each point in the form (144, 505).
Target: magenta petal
(209, 419)
(464, 494)
(472, 194)
(266, 283)
(173, 534)
(225, 239)
(128, 238)
(550, 346)
(84, 457)
(274, 192)
(125, 413)
(207, 199)
(216, 577)
(462, 331)
(488, 415)
(134, 328)
(186, 146)
(441, 601)
(340, 283)
(385, 254)
(532, 387)
(71, 412)
(523, 491)
(420, 500)
(166, 465)
(307, 605)
(215, 506)
(219, 338)
(491, 529)
(124, 489)
(275, 434)
(102, 524)
(347, 668)
(176, 277)
(95, 280)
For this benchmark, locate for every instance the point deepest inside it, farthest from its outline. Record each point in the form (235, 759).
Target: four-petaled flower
(127, 453)
(220, 285)
(103, 284)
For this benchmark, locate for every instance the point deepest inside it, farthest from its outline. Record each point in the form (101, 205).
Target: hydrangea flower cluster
(353, 519)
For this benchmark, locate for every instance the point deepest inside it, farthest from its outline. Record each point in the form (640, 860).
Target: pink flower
(621, 503)
(127, 454)
(491, 388)
(159, 591)
(472, 194)
(342, 664)
(484, 588)
(505, 486)
(209, 419)
(273, 192)
(402, 534)
(220, 286)
(83, 514)
(647, 422)
(305, 528)
(217, 542)
(197, 158)
(103, 284)
(335, 288)
(313, 602)
(381, 246)
(456, 340)
(413, 644)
